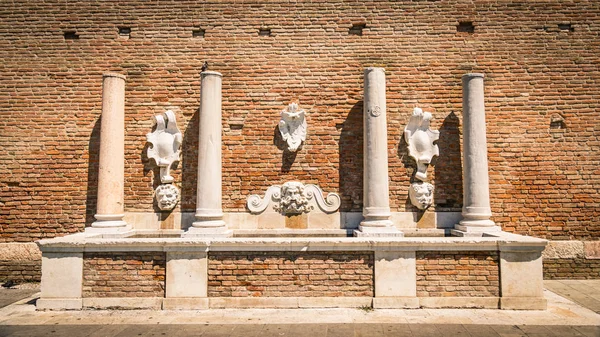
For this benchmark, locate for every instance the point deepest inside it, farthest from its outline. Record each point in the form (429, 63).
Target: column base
(474, 231)
(109, 221)
(208, 232)
(382, 231)
(108, 229)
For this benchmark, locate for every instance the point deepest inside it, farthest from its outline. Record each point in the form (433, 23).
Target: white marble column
(476, 193)
(209, 212)
(376, 202)
(110, 205)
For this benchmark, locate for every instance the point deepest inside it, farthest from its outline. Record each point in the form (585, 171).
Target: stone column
(209, 212)
(476, 193)
(110, 211)
(376, 203)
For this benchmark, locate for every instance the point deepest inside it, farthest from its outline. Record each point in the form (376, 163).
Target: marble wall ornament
(166, 144)
(292, 126)
(294, 198)
(421, 194)
(420, 139)
(167, 196)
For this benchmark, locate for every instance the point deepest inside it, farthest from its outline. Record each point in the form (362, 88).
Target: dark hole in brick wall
(71, 35)
(357, 29)
(557, 125)
(566, 27)
(264, 32)
(199, 33)
(465, 27)
(124, 32)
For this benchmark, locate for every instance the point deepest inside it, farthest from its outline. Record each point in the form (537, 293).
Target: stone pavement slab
(12, 295)
(583, 292)
(329, 330)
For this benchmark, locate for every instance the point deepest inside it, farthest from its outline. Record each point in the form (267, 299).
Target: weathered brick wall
(131, 274)
(540, 59)
(575, 268)
(20, 271)
(287, 274)
(458, 274)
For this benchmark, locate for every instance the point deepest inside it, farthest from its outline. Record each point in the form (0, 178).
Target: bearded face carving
(292, 127)
(421, 195)
(293, 199)
(167, 197)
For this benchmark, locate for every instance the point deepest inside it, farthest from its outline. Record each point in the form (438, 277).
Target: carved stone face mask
(421, 195)
(167, 197)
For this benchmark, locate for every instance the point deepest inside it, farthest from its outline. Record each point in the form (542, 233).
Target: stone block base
(523, 303)
(460, 302)
(289, 302)
(469, 231)
(123, 303)
(395, 302)
(185, 303)
(58, 304)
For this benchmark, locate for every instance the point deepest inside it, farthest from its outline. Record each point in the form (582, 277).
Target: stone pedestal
(110, 211)
(376, 203)
(186, 283)
(209, 212)
(395, 280)
(476, 194)
(62, 279)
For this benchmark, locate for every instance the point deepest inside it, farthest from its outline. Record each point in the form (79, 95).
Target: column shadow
(189, 164)
(448, 194)
(351, 160)
(92, 179)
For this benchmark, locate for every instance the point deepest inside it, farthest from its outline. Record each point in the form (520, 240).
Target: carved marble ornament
(421, 194)
(292, 126)
(166, 144)
(420, 139)
(294, 198)
(167, 196)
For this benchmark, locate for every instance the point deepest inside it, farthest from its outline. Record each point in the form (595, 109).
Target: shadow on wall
(287, 157)
(410, 166)
(150, 165)
(92, 180)
(448, 192)
(351, 160)
(189, 164)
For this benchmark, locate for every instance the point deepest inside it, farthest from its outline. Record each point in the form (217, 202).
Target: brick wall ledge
(500, 241)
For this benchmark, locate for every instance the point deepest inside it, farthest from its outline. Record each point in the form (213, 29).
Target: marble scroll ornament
(292, 127)
(420, 139)
(422, 148)
(293, 198)
(165, 149)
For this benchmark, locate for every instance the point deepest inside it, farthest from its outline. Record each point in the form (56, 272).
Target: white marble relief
(420, 139)
(421, 194)
(166, 144)
(292, 126)
(294, 198)
(167, 196)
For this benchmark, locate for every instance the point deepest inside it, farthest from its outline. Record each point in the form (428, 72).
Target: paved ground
(584, 292)
(563, 317)
(308, 330)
